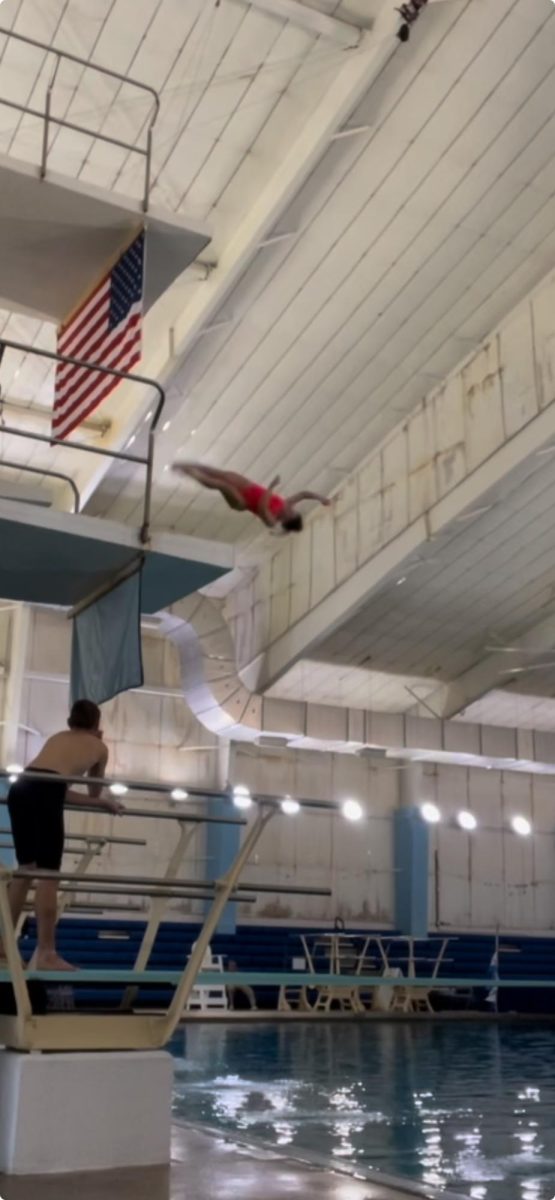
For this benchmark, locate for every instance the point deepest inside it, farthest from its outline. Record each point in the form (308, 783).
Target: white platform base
(83, 1112)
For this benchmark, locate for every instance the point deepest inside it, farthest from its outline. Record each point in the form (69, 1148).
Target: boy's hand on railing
(112, 805)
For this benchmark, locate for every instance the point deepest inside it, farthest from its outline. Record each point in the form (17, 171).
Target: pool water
(463, 1107)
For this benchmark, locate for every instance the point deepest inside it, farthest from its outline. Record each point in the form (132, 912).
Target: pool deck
(204, 1165)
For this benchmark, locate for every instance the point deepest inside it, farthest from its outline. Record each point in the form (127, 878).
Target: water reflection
(466, 1108)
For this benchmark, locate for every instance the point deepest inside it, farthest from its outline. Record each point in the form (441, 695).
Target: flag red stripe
(88, 379)
(98, 354)
(127, 346)
(85, 346)
(70, 422)
(79, 322)
(91, 338)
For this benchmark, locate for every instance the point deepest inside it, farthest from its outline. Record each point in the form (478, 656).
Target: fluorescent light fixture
(290, 807)
(522, 826)
(13, 768)
(166, 426)
(352, 810)
(179, 794)
(430, 812)
(241, 796)
(467, 820)
(119, 789)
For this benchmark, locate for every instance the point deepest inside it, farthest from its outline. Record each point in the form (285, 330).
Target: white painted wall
(489, 879)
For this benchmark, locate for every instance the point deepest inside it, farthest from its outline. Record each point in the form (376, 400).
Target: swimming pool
(466, 1107)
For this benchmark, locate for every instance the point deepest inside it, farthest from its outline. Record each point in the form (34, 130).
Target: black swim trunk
(36, 808)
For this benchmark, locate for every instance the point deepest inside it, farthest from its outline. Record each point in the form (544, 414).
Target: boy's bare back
(71, 752)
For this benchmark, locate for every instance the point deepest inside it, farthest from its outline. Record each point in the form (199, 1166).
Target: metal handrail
(46, 116)
(148, 461)
(15, 466)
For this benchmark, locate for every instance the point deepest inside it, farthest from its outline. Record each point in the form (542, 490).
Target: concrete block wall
(483, 881)
(456, 429)
(492, 878)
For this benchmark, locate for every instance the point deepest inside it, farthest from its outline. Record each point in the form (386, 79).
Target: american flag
(106, 330)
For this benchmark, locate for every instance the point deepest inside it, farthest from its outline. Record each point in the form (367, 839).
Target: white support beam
(348, 88)
(19, 642)
(345, 35)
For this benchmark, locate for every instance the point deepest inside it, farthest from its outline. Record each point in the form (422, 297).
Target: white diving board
(59, 236)
(51, 557)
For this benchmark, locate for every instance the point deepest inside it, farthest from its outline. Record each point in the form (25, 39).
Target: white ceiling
(411, 241)
(477, 588)
(231, 79)
(406, 244)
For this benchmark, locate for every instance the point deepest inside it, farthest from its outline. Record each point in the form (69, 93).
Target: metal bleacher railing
(48, 118)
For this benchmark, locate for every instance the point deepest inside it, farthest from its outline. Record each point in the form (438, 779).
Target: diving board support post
(92, 849)
(223, 889)
(20, 990)
(158, 908)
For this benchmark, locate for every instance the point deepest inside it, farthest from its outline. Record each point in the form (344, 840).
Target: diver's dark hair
(293, 524)
(84, 715)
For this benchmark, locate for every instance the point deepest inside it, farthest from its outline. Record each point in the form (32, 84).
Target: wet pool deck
(207, 1167)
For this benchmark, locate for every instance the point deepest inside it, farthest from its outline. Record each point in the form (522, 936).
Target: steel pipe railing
(15, 466)
(193, 793)
(48, 118)
(147, 461)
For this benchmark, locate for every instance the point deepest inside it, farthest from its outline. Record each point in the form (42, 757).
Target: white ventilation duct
(221, 702)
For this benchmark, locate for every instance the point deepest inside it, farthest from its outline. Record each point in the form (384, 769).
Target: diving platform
(60, 558)
(56, 220)
(49, 221)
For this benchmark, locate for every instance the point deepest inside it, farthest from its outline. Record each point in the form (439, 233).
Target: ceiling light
(467, 820)
(132, 439)
(165, 426)
(179, 794)
(352, 810)
(522, 826)
(430, 812)
(118, 789)
(14, 768)
(241, 796)
(289, 806)
(148, 416)
(403, 579)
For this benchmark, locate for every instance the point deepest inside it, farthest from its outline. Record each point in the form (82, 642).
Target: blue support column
(222, 846)
(411, 836)
(7, 857)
